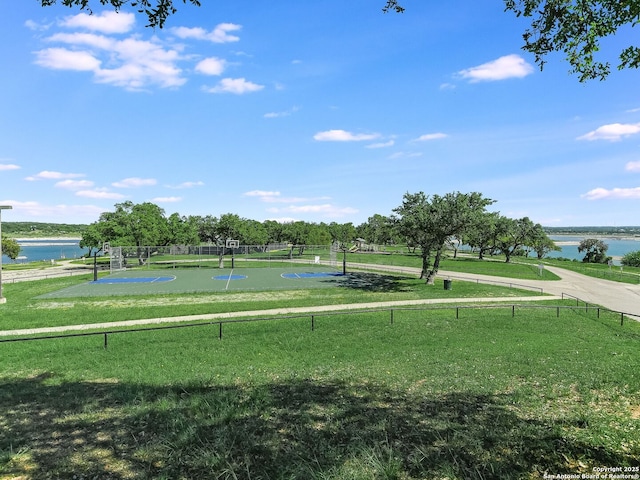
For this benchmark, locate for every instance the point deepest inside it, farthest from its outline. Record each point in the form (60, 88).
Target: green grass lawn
(485, 396)
(26, 307)
(464, 264)
(429, 396)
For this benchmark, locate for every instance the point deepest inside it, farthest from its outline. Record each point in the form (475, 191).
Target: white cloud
(133, 63)
(390, 143)
(286, 113)
(211, 66)
(220, 34)
(63, 59)
(106, 22)
(430, 136)
(100, 193)
(36, 209)
(276, 197)
(343, 136)
(397, 155)
(88, 39)
(237, 86)
(326, 210)
(632, 167)
(166, 199)
(32, 25)
(509, 66)
(261, 193)
(8, 166)
(186, 185)
(612, 132)
(74, 184)
(135, 182)
(614, 193)
(48, 175)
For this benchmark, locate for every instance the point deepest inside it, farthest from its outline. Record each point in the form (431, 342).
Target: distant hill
(41, 230)
(586, 230)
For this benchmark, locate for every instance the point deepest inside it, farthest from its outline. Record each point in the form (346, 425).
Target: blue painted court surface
(311, 275)
(111, 280)
(194, 280)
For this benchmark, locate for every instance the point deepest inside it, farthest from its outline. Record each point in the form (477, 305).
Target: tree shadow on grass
(288, 429)
(372, 282)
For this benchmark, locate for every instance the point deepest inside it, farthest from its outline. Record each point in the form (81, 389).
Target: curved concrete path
(622, 297)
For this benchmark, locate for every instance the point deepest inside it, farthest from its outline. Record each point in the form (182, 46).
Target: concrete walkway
(616, 296)
(621, 297)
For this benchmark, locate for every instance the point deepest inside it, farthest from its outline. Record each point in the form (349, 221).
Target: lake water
(618, 247)
(47, 249)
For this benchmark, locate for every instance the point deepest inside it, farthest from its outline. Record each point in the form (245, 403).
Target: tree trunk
(426, 259)
(431, 278)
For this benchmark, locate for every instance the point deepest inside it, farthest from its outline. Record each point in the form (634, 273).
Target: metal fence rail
(312, 317)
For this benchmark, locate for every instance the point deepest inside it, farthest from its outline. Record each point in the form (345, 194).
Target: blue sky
(306, 110)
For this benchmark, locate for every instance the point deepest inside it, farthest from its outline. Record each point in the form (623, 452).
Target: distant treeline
(39, 229)
(592, 230)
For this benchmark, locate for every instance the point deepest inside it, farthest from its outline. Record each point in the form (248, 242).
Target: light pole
(2, 207)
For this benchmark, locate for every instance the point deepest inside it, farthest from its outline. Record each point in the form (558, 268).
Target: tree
(93, 237)
(156, 11)
(512, 235)
(595, 250)
(429, 222)
(10, 248)
(377, 230)
(541, 243)
(482, 235)
(182, 230)
(207, 228)
(631, 259)
(253, 233)
(576, 27)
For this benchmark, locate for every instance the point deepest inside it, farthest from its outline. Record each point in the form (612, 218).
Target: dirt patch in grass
(178, 300)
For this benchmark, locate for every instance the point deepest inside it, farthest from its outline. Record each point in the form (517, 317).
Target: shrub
(631, 259)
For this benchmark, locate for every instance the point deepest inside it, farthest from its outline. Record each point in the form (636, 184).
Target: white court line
(228, 280)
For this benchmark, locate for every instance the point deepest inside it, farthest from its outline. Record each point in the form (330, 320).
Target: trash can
(447, 284)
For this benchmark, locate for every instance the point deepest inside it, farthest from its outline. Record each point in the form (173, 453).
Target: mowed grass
(484, 396)
(464, 263)
(25, 310)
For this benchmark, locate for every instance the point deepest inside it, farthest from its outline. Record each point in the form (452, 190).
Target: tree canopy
(429, 222)
(10, 248)
(577, 27)
(595, 250)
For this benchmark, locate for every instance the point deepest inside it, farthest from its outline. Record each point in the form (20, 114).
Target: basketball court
(192, 280)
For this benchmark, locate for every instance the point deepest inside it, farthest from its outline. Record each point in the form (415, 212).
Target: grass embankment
(486, 396)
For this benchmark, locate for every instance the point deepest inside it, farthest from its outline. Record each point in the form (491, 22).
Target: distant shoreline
(47, 239)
